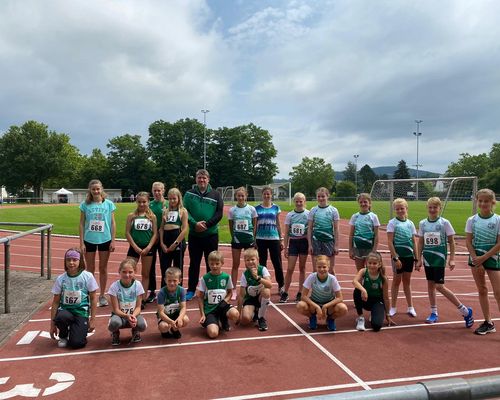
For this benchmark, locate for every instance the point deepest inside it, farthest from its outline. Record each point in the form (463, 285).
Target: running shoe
(62, 343)
(281, 290)
(469, 319)
(485, 327)
(189, 295)
(411, 312)
(393, 311)
(284, 297)
(176, 334)
(298, 297)
(102, 301)
(330, 324)
(262, 324)
(431, 319)
(313, 322)
(225, 323)
(115, 338)
(151, 298)
(167, 335)
(136, 337)
(360, 323)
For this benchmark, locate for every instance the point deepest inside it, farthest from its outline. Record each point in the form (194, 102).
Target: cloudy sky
(327, 78)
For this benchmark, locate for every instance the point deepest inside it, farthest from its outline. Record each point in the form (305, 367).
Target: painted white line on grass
(323, 349)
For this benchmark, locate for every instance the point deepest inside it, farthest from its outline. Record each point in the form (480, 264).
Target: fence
(7, 242)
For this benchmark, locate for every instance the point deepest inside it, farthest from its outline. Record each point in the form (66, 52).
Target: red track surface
(286, 361)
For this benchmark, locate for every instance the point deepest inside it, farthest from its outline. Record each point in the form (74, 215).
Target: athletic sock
(434, 310)
(264, 303)
(464, 310)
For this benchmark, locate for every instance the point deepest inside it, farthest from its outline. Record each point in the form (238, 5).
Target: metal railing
(7, 243)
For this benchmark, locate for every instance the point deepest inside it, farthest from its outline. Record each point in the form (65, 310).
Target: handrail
(7, 242)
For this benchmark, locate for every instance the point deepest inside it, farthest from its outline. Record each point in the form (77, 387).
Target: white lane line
(323, 349)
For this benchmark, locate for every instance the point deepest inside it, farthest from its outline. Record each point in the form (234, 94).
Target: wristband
(176, 243)
(395, 259)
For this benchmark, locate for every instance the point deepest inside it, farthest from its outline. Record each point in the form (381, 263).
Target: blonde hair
(250, 252)
(216, 256)
(299, 195)
(149, 214)
(436, 201)
(90, 198)
(322, 257)
(365, 196)
(378, 257)
(173, 272)
(323, 189)
(176, 192)
(241, 189)
(160, 184)
(399, 201)
(128, 261)
(486, 193)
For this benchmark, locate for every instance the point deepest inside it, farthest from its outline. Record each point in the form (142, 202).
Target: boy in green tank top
(213, 293)
(255, 290)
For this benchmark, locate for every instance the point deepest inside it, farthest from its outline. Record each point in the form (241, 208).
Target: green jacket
(206, 207)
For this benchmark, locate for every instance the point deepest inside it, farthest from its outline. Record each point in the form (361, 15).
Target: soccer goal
(457, 194)
(281, 191)
(227, 193)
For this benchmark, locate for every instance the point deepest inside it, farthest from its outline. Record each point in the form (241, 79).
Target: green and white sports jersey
(403, 236)
(485, 232)
(364, 225)
(126, 295)
(435, 234)
(251, 285)
(74, 292)
(323, 218)
(296, 222)
(374, 287)
(321, 292)
(242, 218)
(215, 289)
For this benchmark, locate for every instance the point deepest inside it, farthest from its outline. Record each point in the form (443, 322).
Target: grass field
(65, 218)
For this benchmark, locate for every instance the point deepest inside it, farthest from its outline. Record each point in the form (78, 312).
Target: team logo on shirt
(223, 282)
(491, 225)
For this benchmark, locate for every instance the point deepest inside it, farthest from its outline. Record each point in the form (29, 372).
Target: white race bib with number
(298, 229)
(142, 224)
(96, 226)
(241, 225)
(215, 296)
(172, 216)
(72, 297)
(254, 290)
(432, 238)
(171, 308)
(128, 308)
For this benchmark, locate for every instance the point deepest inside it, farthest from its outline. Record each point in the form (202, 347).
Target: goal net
(227, 193)
(457, 194)
(281, 191)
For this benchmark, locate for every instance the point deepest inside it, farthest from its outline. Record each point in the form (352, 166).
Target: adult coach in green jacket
(205, 208)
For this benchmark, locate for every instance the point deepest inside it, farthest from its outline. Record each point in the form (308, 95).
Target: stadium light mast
(417, 135)
(356, 156)
(205, 138)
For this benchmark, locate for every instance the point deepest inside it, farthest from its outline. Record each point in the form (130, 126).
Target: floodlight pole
(417, 135)
(205, 138)
(356, 156)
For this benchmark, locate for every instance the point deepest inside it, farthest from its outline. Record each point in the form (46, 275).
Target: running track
(286, 361)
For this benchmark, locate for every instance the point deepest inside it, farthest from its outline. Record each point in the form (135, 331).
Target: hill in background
(389, 171)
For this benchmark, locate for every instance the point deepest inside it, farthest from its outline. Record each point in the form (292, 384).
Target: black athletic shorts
(407, 265)
(434, 274)
(215, 316)
(132, 253)
(298, 247)
(92, 247)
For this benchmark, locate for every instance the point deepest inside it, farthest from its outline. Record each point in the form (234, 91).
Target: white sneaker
(61, 343)
(393, 311)
(102, 301)
(360, 323)
(411, 312)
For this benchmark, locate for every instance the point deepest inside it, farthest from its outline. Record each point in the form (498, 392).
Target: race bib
(96, 226)
(142, 224)
(254, 290)
(128, 308)
(172, 216)
(241, 225)
(215, 296)
(298, 229)
(171, 308)
(73, 297)
(432, 239)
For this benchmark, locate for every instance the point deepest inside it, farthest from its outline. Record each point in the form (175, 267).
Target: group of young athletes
(257, 231)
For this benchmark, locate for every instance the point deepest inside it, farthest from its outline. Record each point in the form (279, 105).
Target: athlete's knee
(115, 323)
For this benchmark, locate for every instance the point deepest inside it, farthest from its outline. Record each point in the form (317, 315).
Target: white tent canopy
(63, 191)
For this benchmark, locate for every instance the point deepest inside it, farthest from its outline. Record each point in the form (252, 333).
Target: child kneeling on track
(372, 293)
(255, 290)
(213, 293)
(321, 296)
(126, 295)
(74, 300)
(172, 305)
(434, 233)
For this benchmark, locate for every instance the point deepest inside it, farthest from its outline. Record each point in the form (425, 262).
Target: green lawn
(65, 218)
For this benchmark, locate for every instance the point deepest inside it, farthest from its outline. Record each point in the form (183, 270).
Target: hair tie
(72, 254)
